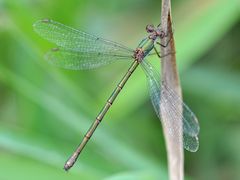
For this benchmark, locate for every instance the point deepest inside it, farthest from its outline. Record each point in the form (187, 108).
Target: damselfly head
(150, 28)
(155, 32)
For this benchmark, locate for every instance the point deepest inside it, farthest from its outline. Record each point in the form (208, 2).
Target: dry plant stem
(174, 142)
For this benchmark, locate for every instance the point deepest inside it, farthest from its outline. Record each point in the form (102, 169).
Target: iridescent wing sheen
(190, 122)
(77, 49)
(80, 60)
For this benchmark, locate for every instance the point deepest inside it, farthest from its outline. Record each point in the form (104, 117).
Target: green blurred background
(45, 111)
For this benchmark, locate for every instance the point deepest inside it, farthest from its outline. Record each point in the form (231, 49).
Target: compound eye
(150, 28)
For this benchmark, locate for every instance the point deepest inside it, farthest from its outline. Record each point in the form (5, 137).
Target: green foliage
(45, 111)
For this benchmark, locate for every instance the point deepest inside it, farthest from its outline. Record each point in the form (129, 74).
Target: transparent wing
(190, 143)
(76, 40)
(190, 122)
(80, 60)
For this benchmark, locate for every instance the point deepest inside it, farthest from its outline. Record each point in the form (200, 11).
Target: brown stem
(174, 143)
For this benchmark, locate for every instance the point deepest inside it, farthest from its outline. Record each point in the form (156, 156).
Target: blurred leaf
(140, 175)
(118, 151)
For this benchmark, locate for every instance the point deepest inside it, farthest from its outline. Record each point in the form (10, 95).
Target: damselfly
(78, 50)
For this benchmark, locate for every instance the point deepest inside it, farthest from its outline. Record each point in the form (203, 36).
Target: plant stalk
(169, 74)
